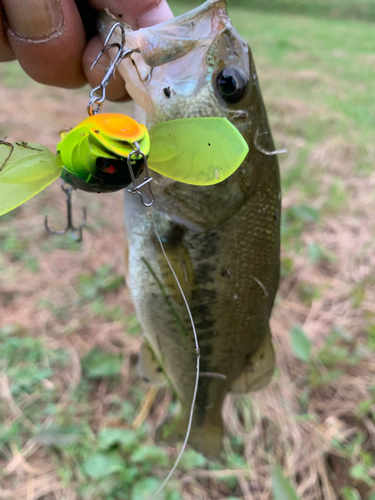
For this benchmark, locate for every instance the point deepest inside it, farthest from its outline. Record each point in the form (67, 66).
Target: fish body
(223, 241)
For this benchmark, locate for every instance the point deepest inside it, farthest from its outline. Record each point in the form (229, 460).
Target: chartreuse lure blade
(199, 151)
(25, 170)
(94, 153)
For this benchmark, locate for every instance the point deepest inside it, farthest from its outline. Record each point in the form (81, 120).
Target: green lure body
(94, 154)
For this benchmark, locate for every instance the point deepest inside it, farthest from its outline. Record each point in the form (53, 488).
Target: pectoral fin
(259, 370)
(180, 260)
(149, 368)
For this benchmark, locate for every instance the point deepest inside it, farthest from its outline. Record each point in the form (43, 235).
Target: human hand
(55, 41)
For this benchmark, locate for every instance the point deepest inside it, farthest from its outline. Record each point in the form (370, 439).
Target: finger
(6, 52)
(157, 14)
(48, 39)
(139, 14)
(143, 13)
(116, 87)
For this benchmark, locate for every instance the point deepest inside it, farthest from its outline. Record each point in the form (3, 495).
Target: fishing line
(197, 351)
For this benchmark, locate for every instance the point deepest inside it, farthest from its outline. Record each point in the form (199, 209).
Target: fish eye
(231, 83)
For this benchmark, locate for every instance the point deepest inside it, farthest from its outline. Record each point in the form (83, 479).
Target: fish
(223, 241)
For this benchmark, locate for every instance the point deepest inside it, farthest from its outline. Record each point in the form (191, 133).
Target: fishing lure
(94, 156)
(107, 152)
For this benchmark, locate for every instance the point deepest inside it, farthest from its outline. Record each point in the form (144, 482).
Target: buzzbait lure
(93, 156)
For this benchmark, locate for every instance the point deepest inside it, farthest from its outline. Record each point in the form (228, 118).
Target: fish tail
(205, 437)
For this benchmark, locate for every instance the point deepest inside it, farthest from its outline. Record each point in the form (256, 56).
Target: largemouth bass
(223, 241)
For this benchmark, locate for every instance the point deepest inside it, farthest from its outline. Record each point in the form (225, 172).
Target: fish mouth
(175, 38)
(156, 53)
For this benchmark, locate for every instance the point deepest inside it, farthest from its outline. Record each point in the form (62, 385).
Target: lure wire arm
(98, 94)
(136, 189)
(10, 145)
(77, 231)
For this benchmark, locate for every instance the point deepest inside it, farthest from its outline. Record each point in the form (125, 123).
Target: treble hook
(77, 231)
(98, 94)
(146, 180)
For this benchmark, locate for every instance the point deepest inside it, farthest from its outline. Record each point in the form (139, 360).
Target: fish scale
(223, 241)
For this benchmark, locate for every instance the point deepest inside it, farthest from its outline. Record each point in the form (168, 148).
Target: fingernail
(35, 20)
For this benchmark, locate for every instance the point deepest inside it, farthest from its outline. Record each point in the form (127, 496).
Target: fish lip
(205, 7)
(219, 24)
(188, 16)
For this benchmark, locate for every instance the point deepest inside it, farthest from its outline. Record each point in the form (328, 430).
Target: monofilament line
(151, 212)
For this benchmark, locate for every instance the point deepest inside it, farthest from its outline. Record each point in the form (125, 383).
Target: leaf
(99, 364)
(350, 493)
(173, 495)
(281, 487)
(199, 151)
(110, 436)
(318, 379)
(100, 465)
(56, 435)
(30, 169)
(305, 213)
(192, 460)
(152, 454)
(145, 489)
(360, 472)
(317, 253)
(236, 461)
(331, 355)
(301, 345)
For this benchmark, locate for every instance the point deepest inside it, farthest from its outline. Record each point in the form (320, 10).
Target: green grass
(345, 9)
(360, 9)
